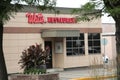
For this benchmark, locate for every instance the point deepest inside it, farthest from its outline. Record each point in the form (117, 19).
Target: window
(75, 45)
(94, 43)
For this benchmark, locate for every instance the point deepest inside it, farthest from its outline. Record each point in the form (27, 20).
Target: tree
(94, 9)
(7, 10)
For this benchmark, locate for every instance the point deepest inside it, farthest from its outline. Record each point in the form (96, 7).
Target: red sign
(39, 18)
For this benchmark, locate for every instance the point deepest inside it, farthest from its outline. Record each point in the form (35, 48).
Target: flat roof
(62, 10)
(108, 34)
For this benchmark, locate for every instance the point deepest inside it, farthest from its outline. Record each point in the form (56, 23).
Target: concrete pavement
(73, 73)
(84, 72)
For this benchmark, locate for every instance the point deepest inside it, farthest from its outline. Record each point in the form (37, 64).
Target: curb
(94, 78)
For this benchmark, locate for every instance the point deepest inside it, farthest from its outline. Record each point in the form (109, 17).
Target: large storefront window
(94, 43)
(75, 45)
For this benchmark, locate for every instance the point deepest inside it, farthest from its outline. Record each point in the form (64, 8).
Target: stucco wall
(108, 30)
(20, 20)
(15, 42)
(13, 45)
(110, 48)
(82, 60)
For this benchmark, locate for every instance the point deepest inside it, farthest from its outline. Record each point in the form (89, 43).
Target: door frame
(49, 43)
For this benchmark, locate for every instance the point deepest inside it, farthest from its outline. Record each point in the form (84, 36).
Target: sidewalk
(83, 72)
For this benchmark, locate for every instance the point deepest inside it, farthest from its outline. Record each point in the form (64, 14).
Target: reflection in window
(75, 45)
(94, 43)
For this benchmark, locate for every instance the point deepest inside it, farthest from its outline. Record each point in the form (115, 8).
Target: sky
(77, 4)
(71, 3)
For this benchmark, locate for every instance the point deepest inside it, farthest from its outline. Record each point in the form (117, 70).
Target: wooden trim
(91, 30)
(21, 30)
(38, 30)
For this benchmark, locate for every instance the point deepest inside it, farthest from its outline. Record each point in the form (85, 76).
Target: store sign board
(35, 18)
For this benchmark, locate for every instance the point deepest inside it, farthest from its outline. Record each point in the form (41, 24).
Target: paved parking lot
(69, 74)
(84, 72)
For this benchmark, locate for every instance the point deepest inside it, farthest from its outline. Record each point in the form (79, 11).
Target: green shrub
(35, 71)
(32, 59)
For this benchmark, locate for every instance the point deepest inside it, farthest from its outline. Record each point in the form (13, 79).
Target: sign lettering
(34, 18)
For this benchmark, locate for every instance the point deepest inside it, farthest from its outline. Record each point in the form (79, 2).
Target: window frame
(76, 49)
(94, 43)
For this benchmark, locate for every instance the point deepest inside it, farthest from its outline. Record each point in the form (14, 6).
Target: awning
(60, 33)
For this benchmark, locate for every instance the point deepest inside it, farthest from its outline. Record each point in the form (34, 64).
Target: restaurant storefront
(72, 44)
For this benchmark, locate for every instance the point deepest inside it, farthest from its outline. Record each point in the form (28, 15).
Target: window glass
(94, 43)
(81, 36)
(75, 38)
(82, 44)
(69, 44)
(68, 38)
(90, 43)
(75, 45)
(96, 36)
(69, 51)
(75, 51)
(82, 50)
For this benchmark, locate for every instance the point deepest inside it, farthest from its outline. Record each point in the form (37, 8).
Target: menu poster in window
(58, 47)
